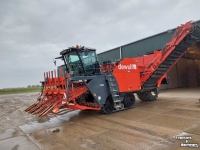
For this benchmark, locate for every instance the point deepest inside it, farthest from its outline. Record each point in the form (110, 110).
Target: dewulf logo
(131, 66)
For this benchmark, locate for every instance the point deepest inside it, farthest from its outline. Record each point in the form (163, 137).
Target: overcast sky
(32, 33)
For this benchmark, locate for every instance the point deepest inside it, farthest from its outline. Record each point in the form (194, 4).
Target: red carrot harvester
(84, 82)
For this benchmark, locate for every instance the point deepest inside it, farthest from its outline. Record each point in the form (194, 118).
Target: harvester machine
(84, 82)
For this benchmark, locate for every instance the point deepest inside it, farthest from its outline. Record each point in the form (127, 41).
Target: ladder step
(164, 66)
(162, 69)
(118, 106)
(176, 53)
(174, 56)
(114, 90)
(185, 44)
(167, 63)
(170, 59)
(113, 85)
(150, 81)
(190, 40)
(115, 95)
(118, 100)
(149, 88)
(150, 85)
(180, 47)
(156, 75)
(194, 37)
(180, 50)
(153, 83)
(160, 72)
(196, 32)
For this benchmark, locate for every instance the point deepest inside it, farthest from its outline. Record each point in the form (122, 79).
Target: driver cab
(81, 61)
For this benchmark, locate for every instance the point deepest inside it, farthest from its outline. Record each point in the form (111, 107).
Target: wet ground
(150, 125)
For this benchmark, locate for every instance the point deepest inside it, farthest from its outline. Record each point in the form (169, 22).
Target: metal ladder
(114, 91)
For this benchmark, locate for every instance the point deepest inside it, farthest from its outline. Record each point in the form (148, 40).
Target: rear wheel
(129, 100)
(148, 96)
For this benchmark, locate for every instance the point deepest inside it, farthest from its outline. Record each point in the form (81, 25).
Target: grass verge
(19, 90)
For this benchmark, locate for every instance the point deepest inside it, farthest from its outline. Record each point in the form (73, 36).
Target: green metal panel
(198, 22)
(155, 40)
(113, 54)
(127, 50)
(164, 39)
(150, 44)
(141, 47)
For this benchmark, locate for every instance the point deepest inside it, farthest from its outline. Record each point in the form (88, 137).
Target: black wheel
(148, 96)
(108, 106)
(129, 100)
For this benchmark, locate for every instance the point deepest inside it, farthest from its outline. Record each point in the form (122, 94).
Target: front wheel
(148, 96)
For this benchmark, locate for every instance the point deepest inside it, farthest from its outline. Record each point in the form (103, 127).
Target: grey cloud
(32, 33)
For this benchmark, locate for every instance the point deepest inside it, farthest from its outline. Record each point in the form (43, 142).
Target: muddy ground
(149, 125)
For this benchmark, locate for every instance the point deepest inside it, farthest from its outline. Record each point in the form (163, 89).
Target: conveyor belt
(190, 39)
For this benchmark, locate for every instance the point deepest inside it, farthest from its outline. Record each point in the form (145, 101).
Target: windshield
(89, 61)
(73, 63)
(83, 64)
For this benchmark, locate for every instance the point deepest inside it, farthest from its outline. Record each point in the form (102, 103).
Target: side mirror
(54, 61)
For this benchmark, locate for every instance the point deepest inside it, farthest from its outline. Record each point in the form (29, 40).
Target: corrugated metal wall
(113, 54)
(146, 45)
(140, 47)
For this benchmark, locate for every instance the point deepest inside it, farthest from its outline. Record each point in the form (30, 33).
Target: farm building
(186, 72)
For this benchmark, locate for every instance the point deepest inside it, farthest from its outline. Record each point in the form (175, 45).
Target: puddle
(46, 123)
(69, 115)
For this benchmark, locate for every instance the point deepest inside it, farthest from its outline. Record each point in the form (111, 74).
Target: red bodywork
(127, 75)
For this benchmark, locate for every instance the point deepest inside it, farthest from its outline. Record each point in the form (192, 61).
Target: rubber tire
(147, 96)
(130, 103)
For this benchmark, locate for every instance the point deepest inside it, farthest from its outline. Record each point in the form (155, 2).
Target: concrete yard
(149, 125)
